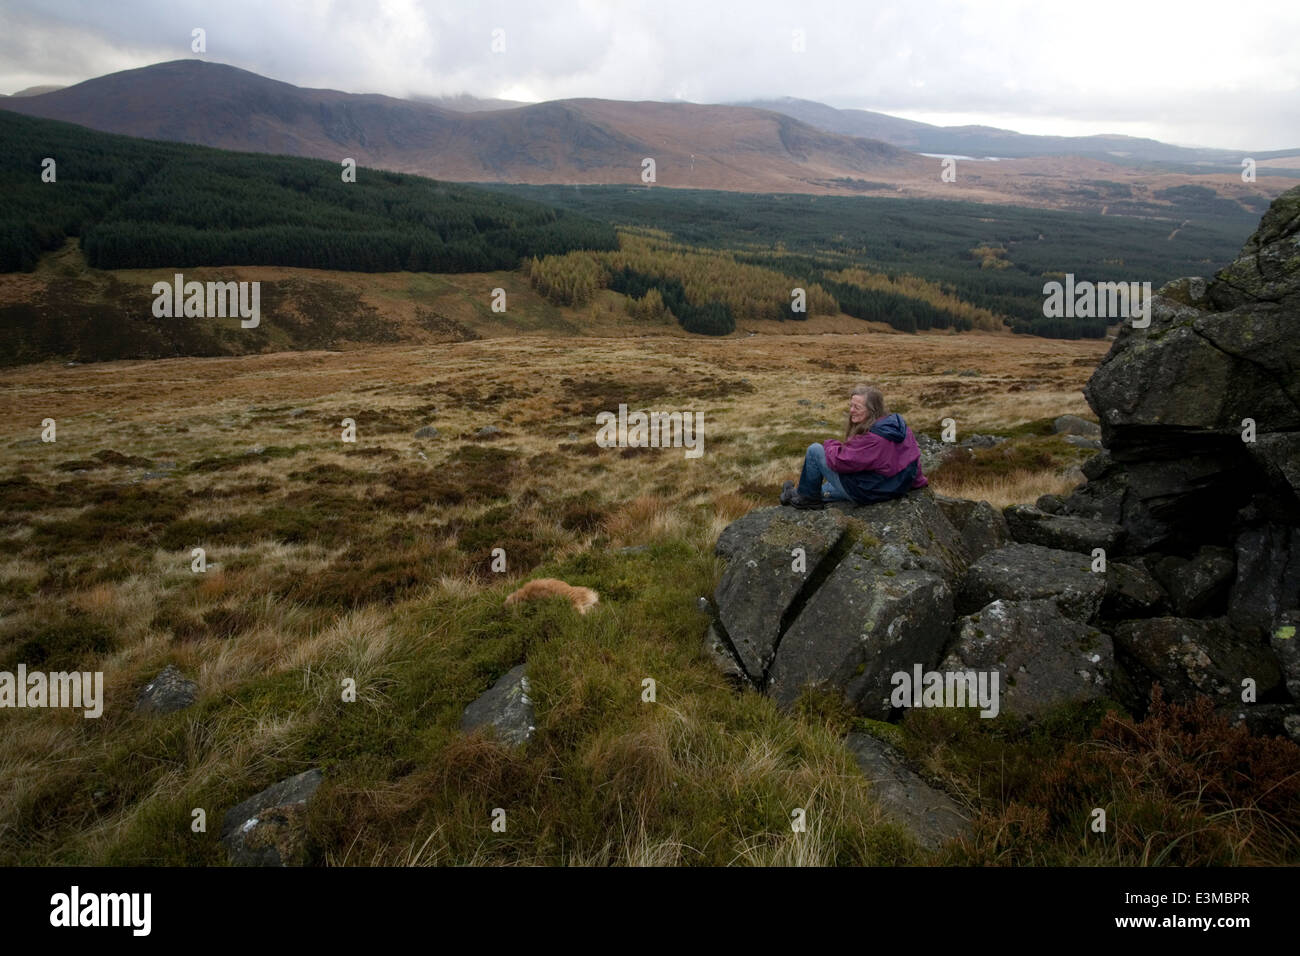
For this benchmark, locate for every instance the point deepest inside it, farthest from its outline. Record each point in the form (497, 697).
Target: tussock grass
(1016, 471)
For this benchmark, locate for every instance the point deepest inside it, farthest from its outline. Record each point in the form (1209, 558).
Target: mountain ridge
(591, 141)
(973, 139)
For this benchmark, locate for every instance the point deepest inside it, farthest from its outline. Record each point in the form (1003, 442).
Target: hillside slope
(580, 141)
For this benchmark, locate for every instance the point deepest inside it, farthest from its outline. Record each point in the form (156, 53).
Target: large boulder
(1043, 658)
(867, 621)
(874, 595)
(1190, 656)
(1064, 532)
(764, 576)
(1027, 572)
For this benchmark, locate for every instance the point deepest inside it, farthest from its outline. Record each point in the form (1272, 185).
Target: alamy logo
(57, 689)
(103, 909)
(211, 300)
(1100, 300)
(946, 689)
(653, 430)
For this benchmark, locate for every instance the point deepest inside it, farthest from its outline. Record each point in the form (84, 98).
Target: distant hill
(980, 141)
(568, 141)
(605, 142)
(38, 90)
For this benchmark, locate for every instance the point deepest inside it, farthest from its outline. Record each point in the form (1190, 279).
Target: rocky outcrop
(887, 590)
(1176, 561)
(1200, 412)
(1200, 417)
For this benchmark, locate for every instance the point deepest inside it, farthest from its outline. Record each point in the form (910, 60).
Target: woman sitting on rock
(877, 460)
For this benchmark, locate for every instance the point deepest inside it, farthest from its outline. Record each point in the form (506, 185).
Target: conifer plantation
(140, 204)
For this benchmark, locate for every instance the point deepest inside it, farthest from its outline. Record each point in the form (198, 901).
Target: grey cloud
(1143, 70)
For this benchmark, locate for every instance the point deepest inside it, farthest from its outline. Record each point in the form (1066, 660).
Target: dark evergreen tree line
(900, 311)
(142, 204)
(709, 318)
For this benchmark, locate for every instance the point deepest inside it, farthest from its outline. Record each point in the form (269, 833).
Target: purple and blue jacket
(882, 463)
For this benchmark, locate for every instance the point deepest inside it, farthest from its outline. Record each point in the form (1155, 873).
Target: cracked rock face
(780, 552)
(872, 595)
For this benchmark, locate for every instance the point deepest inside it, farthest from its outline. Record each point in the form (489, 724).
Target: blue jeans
(818, 480)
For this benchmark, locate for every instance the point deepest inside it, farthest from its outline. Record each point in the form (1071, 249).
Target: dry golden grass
(293, 534)
(1022, 487)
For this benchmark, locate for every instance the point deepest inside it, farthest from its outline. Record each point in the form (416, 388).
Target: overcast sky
(1187, 71)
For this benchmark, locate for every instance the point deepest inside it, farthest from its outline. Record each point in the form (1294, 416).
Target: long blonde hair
(875, 401)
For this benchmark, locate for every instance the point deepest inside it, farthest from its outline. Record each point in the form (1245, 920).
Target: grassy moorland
(330, 560)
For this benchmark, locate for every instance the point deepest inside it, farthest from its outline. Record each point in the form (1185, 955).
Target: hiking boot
(807, 504)
(787, 492)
